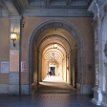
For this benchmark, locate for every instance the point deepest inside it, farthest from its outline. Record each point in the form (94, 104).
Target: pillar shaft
(14, 56)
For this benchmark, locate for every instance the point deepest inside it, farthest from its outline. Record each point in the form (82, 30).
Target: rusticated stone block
(4, 79)
(3, 88)
(14, 78)
(4, 67)
(14, 60)
(25, 89)
(24, 78)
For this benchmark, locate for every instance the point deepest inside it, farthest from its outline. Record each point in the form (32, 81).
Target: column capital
(98, 8)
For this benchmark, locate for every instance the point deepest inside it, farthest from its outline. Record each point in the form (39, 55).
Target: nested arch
(58, 47)
(54, 24)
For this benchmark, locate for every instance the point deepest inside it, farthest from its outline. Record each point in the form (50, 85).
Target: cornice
(60, 3)
(44, 12)
(21, 5)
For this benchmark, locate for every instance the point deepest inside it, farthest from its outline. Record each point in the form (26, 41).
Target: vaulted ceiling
(15, 7)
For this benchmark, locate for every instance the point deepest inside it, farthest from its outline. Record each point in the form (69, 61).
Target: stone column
(104, 97)
(98, 63)
(14, 56)
(104, 53)
(95, 8)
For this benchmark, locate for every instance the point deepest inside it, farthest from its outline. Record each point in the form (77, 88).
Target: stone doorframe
(77, 36)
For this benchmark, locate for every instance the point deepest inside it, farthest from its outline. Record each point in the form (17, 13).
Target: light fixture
(55, 46)
(13, 37)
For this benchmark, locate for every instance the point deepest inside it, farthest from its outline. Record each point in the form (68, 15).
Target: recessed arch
(69, 27)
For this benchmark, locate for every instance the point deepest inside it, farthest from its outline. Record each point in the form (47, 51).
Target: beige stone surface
(4, 38)
(24, 78)
(84, 28)
(14, 60)
(4, 78)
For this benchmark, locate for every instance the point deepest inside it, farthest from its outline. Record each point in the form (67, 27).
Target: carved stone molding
(98, 8)
(105, 49)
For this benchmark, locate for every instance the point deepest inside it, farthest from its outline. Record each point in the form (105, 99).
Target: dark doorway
(52, 70)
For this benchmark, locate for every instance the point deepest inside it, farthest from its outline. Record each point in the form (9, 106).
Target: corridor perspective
(53, 53)
(56, 59)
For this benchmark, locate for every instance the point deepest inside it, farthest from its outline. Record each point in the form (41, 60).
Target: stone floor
(48, 95)
(46, 100)
(53, 79)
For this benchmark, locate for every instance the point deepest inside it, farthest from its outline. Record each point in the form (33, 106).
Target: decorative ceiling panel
(61, 3)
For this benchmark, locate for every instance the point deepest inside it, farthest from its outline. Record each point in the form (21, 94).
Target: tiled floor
(46, 100)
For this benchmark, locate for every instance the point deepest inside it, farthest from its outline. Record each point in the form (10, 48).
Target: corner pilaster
(14, 55)
(98, 9)
(97, 21)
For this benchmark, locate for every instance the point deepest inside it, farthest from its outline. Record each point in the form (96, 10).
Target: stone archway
(59, 46)
(75, 34)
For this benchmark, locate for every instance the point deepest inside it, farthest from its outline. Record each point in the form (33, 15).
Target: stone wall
(83, 26)
(4, 54)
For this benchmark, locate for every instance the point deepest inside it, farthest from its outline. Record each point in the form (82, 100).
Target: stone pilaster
(98, 9)
(95, 8)
(98, 63)
(104, 52)
(14, 56)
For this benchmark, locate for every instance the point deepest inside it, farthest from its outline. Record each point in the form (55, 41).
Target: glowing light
(55, 45)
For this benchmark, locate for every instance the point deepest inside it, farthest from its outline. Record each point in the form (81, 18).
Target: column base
(97, 96)
(104, 99)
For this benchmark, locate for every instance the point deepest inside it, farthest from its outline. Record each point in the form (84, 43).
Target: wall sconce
(13, 37)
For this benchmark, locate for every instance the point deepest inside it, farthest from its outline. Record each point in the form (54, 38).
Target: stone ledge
(14, 78)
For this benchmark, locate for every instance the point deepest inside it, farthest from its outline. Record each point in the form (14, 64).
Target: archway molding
(76, 35)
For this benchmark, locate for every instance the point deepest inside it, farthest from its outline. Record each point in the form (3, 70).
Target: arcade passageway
(53, 53)
(56, 58)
